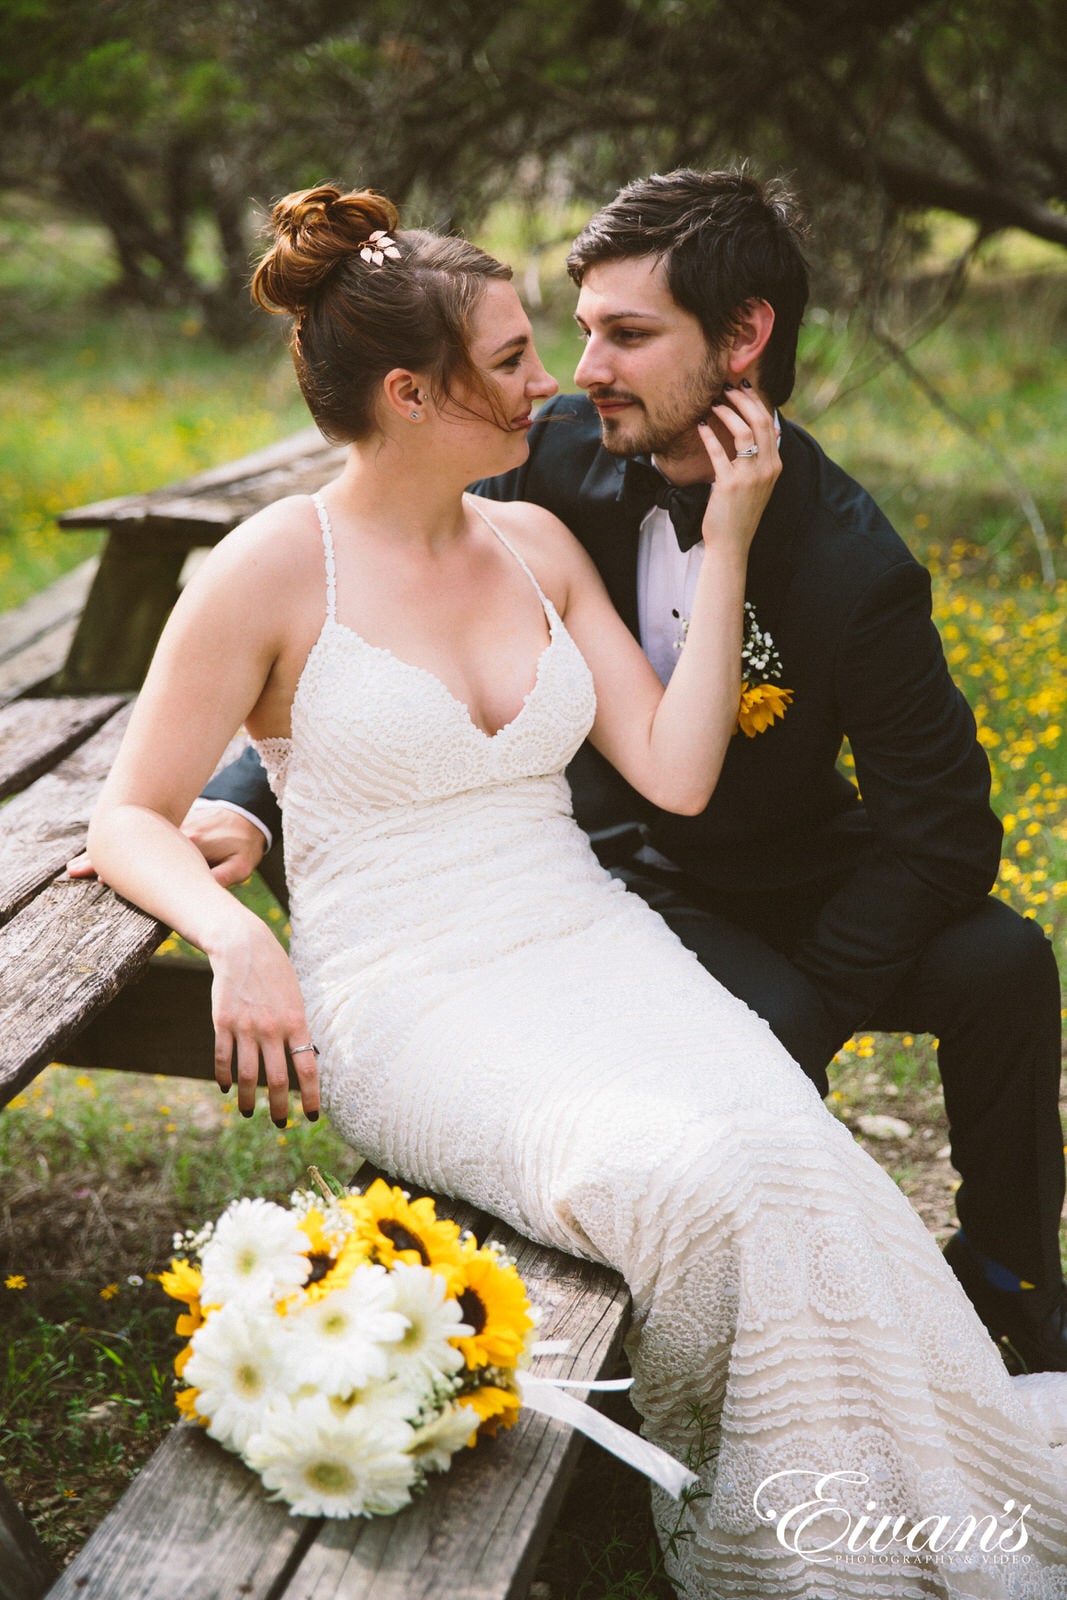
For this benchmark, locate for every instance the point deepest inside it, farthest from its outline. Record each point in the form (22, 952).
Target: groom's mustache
(606, 396)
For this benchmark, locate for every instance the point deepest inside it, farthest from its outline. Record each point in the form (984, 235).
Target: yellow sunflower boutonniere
(761, 701)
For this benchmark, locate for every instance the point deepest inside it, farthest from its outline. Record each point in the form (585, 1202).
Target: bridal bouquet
(347, 1345)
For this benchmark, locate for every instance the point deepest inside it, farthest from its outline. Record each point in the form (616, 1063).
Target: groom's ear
(744, 346)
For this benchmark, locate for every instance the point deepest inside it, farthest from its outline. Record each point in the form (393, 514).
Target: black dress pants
(986, 987)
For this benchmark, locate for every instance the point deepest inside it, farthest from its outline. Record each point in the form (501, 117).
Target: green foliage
(95, 406)
(147, 116)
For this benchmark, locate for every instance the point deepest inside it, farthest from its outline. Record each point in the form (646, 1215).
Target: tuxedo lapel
(612, 538)
(775, 551)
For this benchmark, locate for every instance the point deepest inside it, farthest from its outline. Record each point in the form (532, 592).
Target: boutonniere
(761, 700)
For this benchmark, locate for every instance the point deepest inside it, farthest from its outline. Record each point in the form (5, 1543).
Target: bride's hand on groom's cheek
(258, 1014)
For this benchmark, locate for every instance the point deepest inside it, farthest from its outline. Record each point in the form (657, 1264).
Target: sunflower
(391, 1228)
(493, 1301)
(334, 1256)
(186, 1400)
(183, 1282)
(760, 704)
(497, 1408)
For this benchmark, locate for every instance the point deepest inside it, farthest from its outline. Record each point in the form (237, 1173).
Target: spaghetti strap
(331, 565)
(506, 542)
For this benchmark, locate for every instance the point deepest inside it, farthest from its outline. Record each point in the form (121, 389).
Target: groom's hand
(232, 846)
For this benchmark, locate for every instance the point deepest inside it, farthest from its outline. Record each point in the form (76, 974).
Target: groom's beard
(666, 429)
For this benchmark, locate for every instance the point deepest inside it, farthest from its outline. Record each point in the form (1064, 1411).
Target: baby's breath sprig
(759, 654)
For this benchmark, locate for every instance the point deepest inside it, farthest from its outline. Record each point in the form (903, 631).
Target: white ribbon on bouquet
(550, 1397)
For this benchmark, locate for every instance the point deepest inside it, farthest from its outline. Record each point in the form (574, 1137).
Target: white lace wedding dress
(500, 1020)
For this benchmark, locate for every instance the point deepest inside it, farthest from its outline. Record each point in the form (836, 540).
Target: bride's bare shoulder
(545, 543)
(276, 542)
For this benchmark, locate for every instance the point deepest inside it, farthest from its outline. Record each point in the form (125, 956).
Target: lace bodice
(356, 697)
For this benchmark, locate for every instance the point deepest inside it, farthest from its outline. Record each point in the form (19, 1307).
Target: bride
(494, 1016)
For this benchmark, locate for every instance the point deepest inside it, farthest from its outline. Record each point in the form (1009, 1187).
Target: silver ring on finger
(295, 1049)
(743, 455)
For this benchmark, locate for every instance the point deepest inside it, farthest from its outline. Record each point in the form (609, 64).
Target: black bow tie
(685, 504)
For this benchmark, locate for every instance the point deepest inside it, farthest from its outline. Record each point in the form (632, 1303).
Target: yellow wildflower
(15, 1280)
(109, 1291)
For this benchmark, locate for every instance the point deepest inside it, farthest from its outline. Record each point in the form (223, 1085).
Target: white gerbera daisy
(423, 1354)
(385, 1399)
(436, 1443)
(257, 1253)
(328, 1466)
(236, 1366)
(344, 1340)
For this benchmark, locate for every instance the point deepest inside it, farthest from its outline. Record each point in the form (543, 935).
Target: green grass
(96, 402)
(100, 1169)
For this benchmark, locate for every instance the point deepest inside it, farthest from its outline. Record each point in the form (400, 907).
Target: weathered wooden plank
(35, 734)
(25, 1570)
(212, 502)
(479, 1531)
(45, 611)
(37, 663)
(45, 825)
(194, 1525)
(61, 960)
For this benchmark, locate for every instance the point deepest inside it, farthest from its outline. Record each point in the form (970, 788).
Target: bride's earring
(414, 416)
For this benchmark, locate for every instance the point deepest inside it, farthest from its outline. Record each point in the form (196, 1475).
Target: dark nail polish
(726, 388)
(245, 1113)
(225, 1087)
(280, 1122)
(745, 384)
(312, 1116)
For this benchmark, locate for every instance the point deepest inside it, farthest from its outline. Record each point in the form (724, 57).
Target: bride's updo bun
(368, 298)
(315, 229)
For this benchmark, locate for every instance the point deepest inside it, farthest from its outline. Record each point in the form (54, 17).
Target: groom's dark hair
(726, 240)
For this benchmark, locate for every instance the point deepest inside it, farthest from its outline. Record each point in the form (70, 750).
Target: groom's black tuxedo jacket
(785, 843)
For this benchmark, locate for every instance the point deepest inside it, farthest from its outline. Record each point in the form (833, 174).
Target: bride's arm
(209, 670)
(670, 744)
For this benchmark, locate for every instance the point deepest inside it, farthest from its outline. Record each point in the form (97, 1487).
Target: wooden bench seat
(35, 637)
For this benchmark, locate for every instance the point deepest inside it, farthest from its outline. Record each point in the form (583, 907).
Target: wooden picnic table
(79, 984)
(69, 662)
(149, 537)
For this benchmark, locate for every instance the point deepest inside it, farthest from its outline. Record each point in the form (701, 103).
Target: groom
(825, 912)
